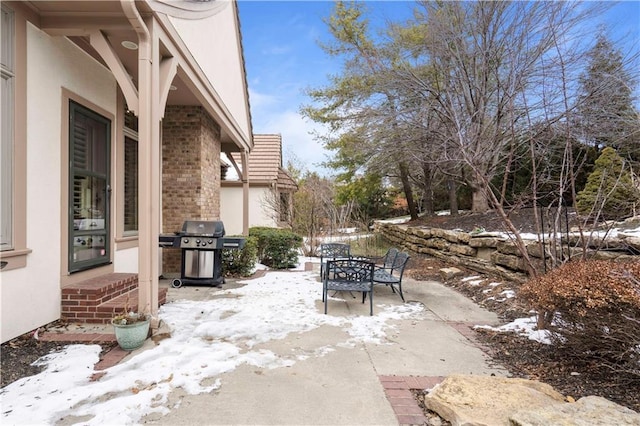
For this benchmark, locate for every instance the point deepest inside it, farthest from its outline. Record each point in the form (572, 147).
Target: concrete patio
(365, 384)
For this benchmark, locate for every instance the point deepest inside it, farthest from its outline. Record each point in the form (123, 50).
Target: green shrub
(241, 262)
(277, 248)
(592, 309)
(609, 191)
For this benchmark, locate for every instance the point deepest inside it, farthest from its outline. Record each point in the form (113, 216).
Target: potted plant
(131, 328)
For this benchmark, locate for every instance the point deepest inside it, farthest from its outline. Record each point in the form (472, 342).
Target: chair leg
(371, 302)
(325, 298)
(400, 290)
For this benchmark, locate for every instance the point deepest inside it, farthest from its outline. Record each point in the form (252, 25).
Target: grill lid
(208, 228)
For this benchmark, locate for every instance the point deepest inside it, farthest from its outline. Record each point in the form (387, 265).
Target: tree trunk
(428, 189)
(453, 196)
(408, 192)
(479, 199)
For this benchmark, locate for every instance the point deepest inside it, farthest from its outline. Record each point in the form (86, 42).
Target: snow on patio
(208, 338)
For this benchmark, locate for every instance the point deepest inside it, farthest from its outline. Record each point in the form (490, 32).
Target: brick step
(98, 290)
(103, 313)
(109, 309)
(97, 300)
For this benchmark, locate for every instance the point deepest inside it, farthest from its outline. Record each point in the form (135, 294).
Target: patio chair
(333, 251)
(386, 261)
(348, 275)
(392, 276)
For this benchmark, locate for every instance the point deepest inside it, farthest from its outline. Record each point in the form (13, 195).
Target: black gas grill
(202, 243)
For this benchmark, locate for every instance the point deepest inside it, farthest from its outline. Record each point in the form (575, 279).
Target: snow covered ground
(208, 338)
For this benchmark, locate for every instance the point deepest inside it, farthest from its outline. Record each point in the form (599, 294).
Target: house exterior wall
(222, 64)
(53, 64)
(190, 172)
(260, 213)
(125, 260)
(52, 70)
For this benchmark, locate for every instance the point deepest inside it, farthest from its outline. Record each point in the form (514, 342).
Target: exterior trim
(118, 181)
(188, 70)
(17, 258)
(66, 277)
(126, 243)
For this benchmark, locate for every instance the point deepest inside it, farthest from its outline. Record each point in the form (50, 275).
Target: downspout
(147, 211)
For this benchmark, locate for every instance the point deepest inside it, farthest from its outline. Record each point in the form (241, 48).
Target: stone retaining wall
(495, 253)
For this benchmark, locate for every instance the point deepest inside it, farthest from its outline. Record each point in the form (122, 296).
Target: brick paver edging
(111, 358)
(398, 392)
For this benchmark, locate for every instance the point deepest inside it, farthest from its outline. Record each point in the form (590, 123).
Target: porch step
(107, 310)
(96, 300)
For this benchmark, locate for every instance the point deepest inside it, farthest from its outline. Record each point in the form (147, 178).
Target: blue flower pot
(131, 336)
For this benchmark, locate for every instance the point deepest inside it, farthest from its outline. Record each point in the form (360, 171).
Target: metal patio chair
(333, 251)
(392, 276)
(348, 275)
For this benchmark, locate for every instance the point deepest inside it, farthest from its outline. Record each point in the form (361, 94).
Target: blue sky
(282, 58)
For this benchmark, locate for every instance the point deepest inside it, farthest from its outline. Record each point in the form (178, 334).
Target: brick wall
(190, 172)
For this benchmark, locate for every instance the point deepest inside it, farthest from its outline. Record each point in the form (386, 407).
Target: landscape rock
(587, 411)
(488, 400)
(507, 247)
(515, 263)
(484, 242)
(632, 241)
(535, 250)
(463, 249)
(451, 236)
(437, 243)
(448, 273)
(421, 232)
(493, 252)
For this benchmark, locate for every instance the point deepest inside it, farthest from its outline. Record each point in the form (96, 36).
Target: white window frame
(7, 71)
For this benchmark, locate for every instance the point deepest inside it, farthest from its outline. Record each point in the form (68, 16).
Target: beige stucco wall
(220, 58)
(126, 260)
(53, 63)
(231, 209)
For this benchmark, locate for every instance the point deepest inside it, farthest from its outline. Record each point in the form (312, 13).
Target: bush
(592, 309)
(241, 262)
(277, 248)
(609, 191)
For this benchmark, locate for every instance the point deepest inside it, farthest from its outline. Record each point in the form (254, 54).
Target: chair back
(400, 262)
(335, 250)
(330, 251)
(350, 270)
(389, 258)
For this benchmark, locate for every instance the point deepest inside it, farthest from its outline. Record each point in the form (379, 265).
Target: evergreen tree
(606, 115)
(609, 192)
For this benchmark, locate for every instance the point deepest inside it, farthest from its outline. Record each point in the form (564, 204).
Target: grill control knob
(186, 241)
(210, 241)
(197, 242)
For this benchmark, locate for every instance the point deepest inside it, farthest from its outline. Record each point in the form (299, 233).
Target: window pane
(99, 147)
(284, 207)
(6, 52)
(130, 184)
(89, 207)
(6, 166)
(88, 247)
(90, 142)
(6, 137)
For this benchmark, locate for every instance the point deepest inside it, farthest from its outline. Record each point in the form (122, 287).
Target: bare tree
(314, 210)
